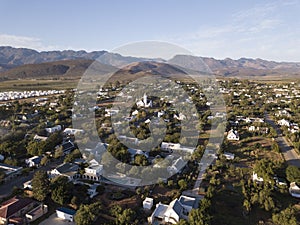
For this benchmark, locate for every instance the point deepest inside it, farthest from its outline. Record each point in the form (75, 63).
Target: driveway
(53, 219)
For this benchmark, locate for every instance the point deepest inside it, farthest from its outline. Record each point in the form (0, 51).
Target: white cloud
(24, 42)
(258, 32)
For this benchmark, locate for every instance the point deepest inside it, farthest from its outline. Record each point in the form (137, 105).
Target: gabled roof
(13, 205)
(188, 201)
(67, 167)
(67, 146)
(176, 206)
(35, 159)
(160, 210)
(179, 163)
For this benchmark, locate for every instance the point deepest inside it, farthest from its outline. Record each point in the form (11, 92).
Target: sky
(216, 28)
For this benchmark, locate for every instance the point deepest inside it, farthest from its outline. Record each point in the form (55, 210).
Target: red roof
(13, 205)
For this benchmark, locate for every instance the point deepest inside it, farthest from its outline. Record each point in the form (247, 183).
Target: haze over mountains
(20, 63)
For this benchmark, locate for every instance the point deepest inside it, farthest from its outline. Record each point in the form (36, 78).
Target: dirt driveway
(57, 221)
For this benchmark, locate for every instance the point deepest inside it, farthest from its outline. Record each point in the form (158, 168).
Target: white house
(294, 190)
(263, 130)
(172, 213)
(170, 147)
(256, 178)
(229, 156)
(176, 166)
(180, 116)
(111, 112)
(93, 172)
(233, 135)
(144, 102)
(68, 170)
(283, 122)
(252, 128)
(148, 203)
(283, 113)
(51, 130)
(40, 138)
(135, 152)
(65, 214)
(135, 113)
(248, 120)
(28, 185)
(73, 131)
(34, 161)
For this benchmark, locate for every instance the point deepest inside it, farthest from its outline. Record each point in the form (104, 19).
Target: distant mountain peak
(15, 57)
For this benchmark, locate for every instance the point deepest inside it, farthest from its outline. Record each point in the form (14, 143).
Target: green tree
(275, 147)
(44, 161)
(76, 154)
(125, 217)
(293, 174)
(59, 152)
(182, 222)
(201, 215)
(247, 205)
(10, 161)
(40, 185)
(61, 190)
(285, 217)
(87, 214)
(36, 148)
(265, 169)
(140, 160)
(182, 184)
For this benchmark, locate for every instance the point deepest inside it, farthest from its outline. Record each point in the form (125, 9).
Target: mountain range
(22, 63)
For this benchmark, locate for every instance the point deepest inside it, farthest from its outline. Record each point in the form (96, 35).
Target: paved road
(7, 188)
(205, 162)
(289, 154)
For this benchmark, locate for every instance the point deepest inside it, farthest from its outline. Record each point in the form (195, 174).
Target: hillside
(21, 56)
(13, 57)
(137, 70)
(241, 67)
(20, 63)
(65, 68)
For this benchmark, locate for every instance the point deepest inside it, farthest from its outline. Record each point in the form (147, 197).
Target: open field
(27, 85)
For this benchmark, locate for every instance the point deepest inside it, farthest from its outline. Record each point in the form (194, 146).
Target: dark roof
(67, 167)
(67, 211)
(188, 201)
(177, 207)
(179, 163)
(10, 166)
(37, 160)
(13, 206)
(68, 146)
